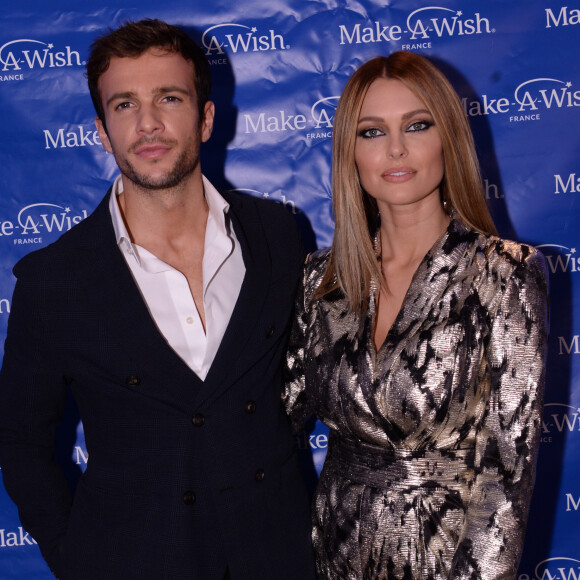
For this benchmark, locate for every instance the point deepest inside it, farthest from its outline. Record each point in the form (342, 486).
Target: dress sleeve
(295, 396)
(32, 401)
(507, 442)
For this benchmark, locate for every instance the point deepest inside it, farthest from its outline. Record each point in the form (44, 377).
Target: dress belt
(386, 468)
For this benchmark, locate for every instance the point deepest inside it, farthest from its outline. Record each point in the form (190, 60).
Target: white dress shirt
(166, 291)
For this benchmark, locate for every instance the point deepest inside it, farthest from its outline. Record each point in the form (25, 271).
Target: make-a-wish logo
(26, 54)
(38, 221)
(559, 418)
(278, 197)
(317, 125)
(4, 306)
(566, 184)
(572, 503)
(74, 137)
(239, 38)
(81, 456)
(441, 21)
(545, 93)
(560, 258)
(568, 346)
(10, 539)
(529, 100)
(565, 17)
(559, 568)
(429, 22)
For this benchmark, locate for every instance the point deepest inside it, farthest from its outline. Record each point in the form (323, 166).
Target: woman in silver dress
(420, 340)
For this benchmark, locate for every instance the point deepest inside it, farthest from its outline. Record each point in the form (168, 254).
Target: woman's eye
(370, 133)
(419, 126)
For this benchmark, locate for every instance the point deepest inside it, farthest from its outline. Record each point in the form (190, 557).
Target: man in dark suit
(165, 312)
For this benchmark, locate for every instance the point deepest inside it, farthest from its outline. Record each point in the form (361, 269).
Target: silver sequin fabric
(433, 439)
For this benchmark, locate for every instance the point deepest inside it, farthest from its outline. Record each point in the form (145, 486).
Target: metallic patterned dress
(433, 439)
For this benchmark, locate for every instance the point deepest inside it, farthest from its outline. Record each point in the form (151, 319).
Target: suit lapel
(112, 290)
(228, 362)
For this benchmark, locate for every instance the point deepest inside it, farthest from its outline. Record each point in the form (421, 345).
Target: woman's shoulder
(514, 255)
(504, 259)
(504, 254)
(314, 270)
(317, 259)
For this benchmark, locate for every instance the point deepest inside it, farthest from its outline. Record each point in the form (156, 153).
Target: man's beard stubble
(184, 166)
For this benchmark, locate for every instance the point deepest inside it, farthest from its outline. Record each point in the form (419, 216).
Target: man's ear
(207, 121)
(103, 135)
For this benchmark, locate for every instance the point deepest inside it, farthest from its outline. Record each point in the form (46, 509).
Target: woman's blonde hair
(353, 261)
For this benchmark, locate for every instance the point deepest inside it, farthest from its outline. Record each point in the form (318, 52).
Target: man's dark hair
(132, 40)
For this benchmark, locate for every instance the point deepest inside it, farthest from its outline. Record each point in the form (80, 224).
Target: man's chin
(155, 183)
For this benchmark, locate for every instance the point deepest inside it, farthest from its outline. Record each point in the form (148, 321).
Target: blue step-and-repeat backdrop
(278, 68)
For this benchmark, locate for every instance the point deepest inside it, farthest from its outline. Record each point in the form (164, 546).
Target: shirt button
(189, 320)
(270, 331)
(250, 407)
(189, 498)
(132, 381)
(259, 475)
(198, 420)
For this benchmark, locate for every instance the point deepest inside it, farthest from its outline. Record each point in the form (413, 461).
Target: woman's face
(398, 149)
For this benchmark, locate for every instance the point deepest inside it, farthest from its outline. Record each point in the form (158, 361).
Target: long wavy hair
(353, 263)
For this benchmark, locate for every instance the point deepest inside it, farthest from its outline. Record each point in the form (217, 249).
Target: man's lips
(399, 175)
(152, 150)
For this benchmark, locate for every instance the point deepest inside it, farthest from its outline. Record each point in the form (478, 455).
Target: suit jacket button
(259, 475)
(198, 420)
(270, 331)
(189, 498)
(250, 407)
(132, 381)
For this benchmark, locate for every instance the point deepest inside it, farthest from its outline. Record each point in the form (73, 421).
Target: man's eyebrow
(120, 96)
(171, 89)
(158, 91)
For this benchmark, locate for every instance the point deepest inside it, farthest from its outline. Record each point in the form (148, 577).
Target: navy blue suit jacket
(184, 476)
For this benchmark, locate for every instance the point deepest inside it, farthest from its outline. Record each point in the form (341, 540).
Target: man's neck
(164, 215)
(171, 225)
